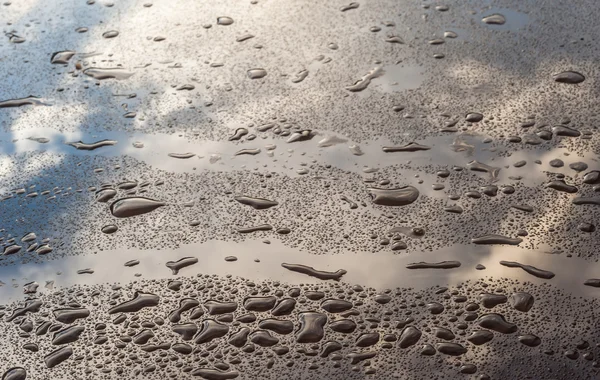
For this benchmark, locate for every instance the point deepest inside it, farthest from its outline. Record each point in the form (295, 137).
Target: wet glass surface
(299, 189)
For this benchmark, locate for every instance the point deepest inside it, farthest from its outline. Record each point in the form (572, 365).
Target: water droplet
(586, 201)
(140, 300)
(176, 266)
(578, 166)
(480, 337)
(571, 77)
(401, 196)
(409, 337)
(257, 73)
(11, 249)
(450, 34)
(244, 37)
(336, 305)
(489, 300)
(62, 57)
(394, 40)
(256, 203)
(300, 76)
(263, 338)
(529, 269)
(443, 333)
(70, 315)
(350, 6)
(262, 227)
(31, 100)
(181, 156)
(496, 322)
(357, 357)
(410, 147)
(67, 335)
(311, 327)
(436, 41)
(215, 374)
(561, 130)
(364, 82)
(92, 146)
(41, 140)
(109, 229)
(322, 275)
(560, 185)
(224, 20)
(259, 303)
(496, 239)
(14, 39)
(440, 265)
(132, 263)
(367, 339)
(452, 349)
(128, 207)
(530, 340)
(107, 73)
(58, 356)
(109, 34)
(15, 373)
(304, 135)
(593, 282)
(210, 330)
(250, 152)
(495, 19)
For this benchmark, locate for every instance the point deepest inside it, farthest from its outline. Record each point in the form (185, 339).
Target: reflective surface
(299, 189)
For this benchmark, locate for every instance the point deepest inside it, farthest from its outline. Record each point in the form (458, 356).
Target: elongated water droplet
(107, 73)
(128, 207)
(570, 77)
(109, 34)
(257, 73)
(495, 19)
(62, 57)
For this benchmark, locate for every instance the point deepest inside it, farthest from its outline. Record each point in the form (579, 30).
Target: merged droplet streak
(29, 101)
(92, 146)
(529, 269)
(140, 300)
(310, 271)
(440, 265)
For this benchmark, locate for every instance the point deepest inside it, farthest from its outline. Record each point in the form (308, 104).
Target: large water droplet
(139, 301)
(571, 77)
(224, 20)
(91, 146)
(107, 73)
(128, 207)
(529, 269)
(440, 265)
(257, 73)
(31, 100)
(394, 197)
(15, 373)
(495, 19)
(62, 57)
(322, 275)
(364, 82)
(109, 34)
(257, 203)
